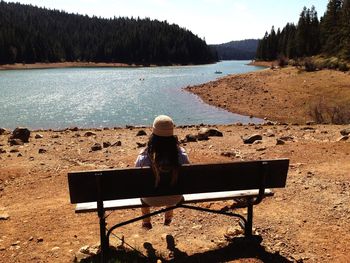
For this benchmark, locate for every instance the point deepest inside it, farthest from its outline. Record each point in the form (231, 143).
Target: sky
(216, 21)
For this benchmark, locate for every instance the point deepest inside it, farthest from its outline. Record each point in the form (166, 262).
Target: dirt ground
(308, 221)
(286, 95)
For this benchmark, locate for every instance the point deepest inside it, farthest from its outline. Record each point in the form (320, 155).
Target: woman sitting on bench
(164, 155)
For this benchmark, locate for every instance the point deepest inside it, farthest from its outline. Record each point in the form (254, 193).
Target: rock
(74, 129)
(141, 133)
(80, 257)
(228, 154)
(106, 144)
(202, 136)
(21, 133)
(96, 147)
(55, 136)
(4, 216)
(38, 136)
(210, 132)
(310, 123)
(307, 129)
(2, 150)
(40, 239)
(41, 150)
(14, 150)
(15, 142)
(89, 133)
(84, 249)
(233, 231)
(190, 138)
(279, 142)
(343, 138)
(345, 132)
(90, 250)
(261, 149)
(141, 144)
(55, 249)
(270, 123)
(3, 131)
(16, 243)
(269, 133)
(252, 138)
(117, 143)
(287, 138)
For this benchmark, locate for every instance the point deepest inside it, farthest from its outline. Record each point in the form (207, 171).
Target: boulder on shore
(210, 132)
(345, 132)
(21, 133)
(251, 139)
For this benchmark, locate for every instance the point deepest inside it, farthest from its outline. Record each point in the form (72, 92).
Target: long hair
(164, 155)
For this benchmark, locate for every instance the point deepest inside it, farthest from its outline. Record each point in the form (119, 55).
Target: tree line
(236, 50)
(30, 34)
(329, 36)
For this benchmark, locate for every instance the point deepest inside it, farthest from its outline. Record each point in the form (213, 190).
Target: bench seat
(188, 198)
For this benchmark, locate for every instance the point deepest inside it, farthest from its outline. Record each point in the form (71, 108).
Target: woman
(164, 155)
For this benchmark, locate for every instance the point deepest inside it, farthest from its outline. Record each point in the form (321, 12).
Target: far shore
(41, 65)
(262, 63)
(64, 65)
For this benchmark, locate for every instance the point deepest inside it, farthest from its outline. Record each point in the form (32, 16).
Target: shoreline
(53, 65)
(285, 94)
(18, 66)
(266, 64)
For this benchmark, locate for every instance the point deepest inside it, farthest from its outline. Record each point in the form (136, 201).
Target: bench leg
(104, 240)
(248, 229)
(103, 232)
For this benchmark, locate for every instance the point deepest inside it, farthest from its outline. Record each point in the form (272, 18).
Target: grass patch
(334, 113)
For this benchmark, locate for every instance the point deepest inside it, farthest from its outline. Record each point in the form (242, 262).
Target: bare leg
(146, 222)
(168, 216)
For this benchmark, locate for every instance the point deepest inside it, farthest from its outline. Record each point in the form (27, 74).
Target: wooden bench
(101, 190)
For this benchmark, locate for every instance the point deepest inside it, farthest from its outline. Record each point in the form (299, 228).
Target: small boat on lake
(218, 72)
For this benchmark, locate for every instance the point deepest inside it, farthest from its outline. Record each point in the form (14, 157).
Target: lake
(109, 97)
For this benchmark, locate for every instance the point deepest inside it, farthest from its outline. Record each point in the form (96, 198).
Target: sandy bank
(286, 95)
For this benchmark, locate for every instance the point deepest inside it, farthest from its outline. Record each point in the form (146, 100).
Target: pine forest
(328, 36)
(30, 34)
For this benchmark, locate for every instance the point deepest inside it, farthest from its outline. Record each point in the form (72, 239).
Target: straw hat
(163, 126)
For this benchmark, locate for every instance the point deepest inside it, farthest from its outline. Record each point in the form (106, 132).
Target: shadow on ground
(238, 248)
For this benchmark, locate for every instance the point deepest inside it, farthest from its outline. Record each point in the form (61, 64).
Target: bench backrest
(123, 183)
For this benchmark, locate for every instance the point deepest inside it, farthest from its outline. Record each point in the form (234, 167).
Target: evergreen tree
(31, 34)
(330, 28)
(345, 30)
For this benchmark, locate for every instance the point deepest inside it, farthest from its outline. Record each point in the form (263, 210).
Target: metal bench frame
(245, 222)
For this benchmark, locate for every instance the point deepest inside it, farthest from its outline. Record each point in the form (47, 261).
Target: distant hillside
(240, 50)
(30, 34)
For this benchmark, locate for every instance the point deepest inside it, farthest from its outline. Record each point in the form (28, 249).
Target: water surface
(108, 97)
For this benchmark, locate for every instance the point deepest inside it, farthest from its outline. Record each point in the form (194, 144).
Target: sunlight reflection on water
(108, 97)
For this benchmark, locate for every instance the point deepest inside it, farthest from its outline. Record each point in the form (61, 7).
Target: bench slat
(126, 183)
(188, 198)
